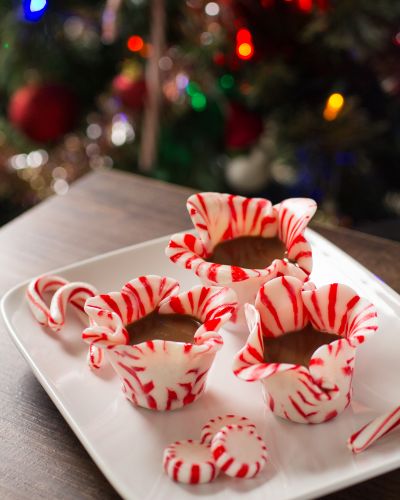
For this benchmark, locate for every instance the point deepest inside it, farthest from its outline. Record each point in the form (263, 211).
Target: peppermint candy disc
(190, 462)
(215, 424)
(239, 451)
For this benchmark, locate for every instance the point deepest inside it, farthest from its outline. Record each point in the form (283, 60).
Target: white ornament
(248, 173)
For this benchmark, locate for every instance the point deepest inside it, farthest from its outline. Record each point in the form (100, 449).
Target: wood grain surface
(40, 457)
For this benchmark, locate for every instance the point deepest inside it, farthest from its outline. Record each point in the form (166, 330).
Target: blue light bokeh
(34, 9)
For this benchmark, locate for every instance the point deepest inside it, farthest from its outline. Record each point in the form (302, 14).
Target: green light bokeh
(192, 89)
(227, 81)
(199, 101)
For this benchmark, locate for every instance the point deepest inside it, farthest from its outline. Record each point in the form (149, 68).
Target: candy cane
(53, 317)
(75, 293)
(374, 430)
(34, 294)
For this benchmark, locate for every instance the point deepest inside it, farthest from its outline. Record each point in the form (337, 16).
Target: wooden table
(40, 457)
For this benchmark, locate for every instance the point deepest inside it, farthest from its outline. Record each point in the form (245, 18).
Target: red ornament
(242, 128)
(131, 92)
(43, 112)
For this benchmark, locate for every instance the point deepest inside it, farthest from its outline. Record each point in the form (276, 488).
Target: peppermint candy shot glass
(243, 243)
(302, 347)
(160, 343)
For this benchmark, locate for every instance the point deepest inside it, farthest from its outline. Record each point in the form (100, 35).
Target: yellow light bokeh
(245, 50)
(335, 101)
(334, 104)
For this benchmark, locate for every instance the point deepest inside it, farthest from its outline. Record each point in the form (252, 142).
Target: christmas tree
(270, 98)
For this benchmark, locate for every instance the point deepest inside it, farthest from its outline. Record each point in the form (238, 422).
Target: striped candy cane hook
(54, 316)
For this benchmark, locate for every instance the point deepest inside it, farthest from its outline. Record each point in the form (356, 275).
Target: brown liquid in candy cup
(243, 243)
(302, 347)
(160, 343)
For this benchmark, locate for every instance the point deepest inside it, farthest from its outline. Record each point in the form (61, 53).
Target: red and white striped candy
(212, 305)
(95, 356)
(218, 217)
(293, 216)
(158, 374)
(35, 296)
(322, 390)
(239, 451)
(75, 293)
(214, 425)
(374, 430)
(111, 312)
(190, 462)
(64, 293)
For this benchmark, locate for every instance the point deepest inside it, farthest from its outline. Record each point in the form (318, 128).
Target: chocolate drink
(251, 252)
(296, 347)
(175, 327)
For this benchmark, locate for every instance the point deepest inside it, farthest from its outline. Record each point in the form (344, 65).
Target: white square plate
(127, 443)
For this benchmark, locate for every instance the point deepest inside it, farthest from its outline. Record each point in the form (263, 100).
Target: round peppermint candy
(190, 462)
(239, 451)
(214, 425)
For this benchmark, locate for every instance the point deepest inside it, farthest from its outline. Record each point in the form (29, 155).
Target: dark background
(308, 106)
